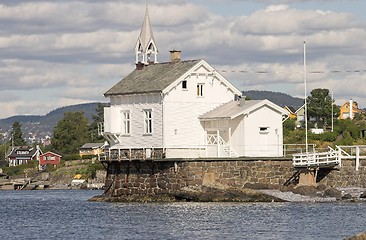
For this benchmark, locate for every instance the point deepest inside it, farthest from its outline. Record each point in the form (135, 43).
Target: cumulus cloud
(60, 52)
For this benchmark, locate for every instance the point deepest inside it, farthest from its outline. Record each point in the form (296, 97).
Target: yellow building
(349, 110)
(291, 112)
(91, 149)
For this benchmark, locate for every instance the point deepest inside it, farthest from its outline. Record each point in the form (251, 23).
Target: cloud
(68, 52)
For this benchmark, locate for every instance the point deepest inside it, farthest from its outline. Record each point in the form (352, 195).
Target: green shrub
(19, 170)
(90, 170)
(69, 157)
(88, 156)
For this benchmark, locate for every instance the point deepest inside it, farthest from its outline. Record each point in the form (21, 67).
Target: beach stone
(333, 192)
(256, 186)
(347, 196)
(321, 187)
(363, 195)
(305, 190)
(360, 236)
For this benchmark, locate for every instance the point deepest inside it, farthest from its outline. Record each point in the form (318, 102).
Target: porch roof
(233, 109)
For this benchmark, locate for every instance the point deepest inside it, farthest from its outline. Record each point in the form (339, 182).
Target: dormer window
(184, 85)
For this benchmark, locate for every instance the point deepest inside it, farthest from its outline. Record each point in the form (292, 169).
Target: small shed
(245, 128)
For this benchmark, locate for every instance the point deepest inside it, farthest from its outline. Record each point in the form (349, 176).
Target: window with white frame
(200, 90)
(147, 121)
(50, 158)
(126, 122)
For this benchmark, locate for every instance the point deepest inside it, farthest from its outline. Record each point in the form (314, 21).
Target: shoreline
(212, 194)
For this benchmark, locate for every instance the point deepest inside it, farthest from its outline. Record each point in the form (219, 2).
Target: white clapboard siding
(182, 127)
(135, 104)
(107, 119)
(182, 107)
(263, 117)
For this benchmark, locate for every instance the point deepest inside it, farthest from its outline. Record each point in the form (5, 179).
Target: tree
(17, 135)
(3, 151)
(71, 133)
(94, 127)
(319, 106)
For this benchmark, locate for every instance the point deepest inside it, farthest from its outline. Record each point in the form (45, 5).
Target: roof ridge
(168, 62)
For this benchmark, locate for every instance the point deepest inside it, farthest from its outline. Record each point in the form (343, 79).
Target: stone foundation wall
(346, 175)
(148, 177)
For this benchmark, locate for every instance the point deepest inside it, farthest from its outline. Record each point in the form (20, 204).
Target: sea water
(66, 214)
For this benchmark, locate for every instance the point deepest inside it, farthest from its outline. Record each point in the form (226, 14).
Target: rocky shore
(63, 178)
(249, 193)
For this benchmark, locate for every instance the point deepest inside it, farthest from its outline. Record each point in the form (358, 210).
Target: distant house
(49, 158)
(185, 109)
(349, 110)
(300, 116)
(22, 155)
(92, 149)
(291, 112)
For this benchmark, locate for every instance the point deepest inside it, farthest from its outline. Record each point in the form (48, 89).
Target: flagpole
(332, 112)
(306, 108)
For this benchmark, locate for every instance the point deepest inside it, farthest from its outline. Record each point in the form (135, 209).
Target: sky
(63, 52)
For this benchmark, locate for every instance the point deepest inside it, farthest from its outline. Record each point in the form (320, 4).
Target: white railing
(357, 153)
(222, 146)
(315, 159)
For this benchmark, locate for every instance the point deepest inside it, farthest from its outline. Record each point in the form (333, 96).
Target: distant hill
(280, 99)
(44, 124)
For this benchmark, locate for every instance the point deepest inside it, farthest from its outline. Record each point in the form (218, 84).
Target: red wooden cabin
(49, 158)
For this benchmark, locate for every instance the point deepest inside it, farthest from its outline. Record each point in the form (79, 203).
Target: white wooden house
(154, 111)
(244, 128)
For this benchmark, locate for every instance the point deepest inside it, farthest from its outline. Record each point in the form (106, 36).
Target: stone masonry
(152, 177)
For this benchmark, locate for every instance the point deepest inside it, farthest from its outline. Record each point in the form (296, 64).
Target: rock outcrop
(360, 236)
(196, 194)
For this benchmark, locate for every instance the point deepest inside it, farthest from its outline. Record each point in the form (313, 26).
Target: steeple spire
(146, 47)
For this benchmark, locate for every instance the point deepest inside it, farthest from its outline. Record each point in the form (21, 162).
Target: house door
(263, 144)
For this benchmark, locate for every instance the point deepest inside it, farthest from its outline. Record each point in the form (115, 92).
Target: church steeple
(146, 50)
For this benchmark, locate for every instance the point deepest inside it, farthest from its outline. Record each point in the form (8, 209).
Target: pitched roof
(291, 109)
(52, 153)
(91, 145)
(153, 78)
(23, 151)
(233, 109)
